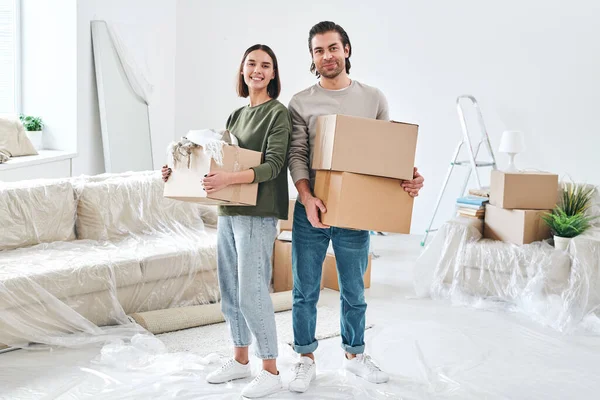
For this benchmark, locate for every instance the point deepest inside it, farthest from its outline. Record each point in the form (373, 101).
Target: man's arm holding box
(299, 159)
(414, 185)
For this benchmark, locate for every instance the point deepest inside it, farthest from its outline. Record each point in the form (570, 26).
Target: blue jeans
(244, 254)
(309, 249)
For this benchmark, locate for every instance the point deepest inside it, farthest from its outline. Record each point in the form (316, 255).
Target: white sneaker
(363, 366)
(229, 371)
(304, 372)
(264, 384)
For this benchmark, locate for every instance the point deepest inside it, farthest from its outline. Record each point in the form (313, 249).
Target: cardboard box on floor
(185, 183)
(282, 267)
(365, 146)
(286, 225)
(523, 190)
(515, 226)
(364, 202)
(330, 276)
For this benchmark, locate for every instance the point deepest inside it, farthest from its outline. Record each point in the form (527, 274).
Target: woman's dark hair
(274, 86)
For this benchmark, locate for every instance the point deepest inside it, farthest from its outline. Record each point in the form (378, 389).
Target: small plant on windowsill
(33, 126)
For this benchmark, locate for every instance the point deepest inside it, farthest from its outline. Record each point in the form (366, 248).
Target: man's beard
(332, 74)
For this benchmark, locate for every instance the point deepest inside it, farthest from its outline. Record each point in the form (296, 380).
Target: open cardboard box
(185, 182)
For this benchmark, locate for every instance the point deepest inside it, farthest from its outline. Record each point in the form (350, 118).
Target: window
(10, 68)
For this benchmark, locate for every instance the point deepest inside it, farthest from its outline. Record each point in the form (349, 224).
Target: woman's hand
(216, 181)
(166, 172)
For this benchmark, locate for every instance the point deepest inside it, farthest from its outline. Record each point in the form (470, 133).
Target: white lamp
(512, 143)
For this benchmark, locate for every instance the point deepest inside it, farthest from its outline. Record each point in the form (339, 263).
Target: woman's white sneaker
(264, 384)
(363, 366)
(304, 372)
(229, 371)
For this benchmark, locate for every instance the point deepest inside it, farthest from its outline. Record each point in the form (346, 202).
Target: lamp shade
(512, 142)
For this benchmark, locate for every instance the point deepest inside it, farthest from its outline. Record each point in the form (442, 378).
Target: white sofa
(555, 287)
(84, 252)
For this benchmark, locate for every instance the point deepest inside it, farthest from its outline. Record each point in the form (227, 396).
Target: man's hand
(216, 181)
(313, 205)
(413, 186)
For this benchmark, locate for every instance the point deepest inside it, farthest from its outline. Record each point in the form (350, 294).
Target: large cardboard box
(515, 226)
(185, 182)
(364, 202)
(286, 225)
(330, 277)
(283, 279)
(365, 146)
(523, 190)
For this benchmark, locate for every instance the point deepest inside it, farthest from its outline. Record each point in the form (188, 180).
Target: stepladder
(465, 155)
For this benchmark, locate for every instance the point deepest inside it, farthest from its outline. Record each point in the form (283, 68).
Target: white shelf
(44, 156)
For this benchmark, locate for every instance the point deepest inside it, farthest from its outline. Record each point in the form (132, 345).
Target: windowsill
(44, 156)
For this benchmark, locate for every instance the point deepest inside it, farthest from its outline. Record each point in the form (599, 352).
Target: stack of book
(472, 206)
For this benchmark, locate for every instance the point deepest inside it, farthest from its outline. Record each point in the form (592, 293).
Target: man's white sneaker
(363, 366)
(264, 384)
(229, 371)
(304, 372)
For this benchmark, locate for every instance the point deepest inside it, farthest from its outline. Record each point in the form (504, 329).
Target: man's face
(328, 54)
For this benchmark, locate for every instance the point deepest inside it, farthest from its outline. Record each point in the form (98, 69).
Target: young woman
(246, 234)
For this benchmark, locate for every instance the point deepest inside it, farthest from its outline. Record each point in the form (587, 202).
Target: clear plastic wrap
(560, 289)
(77, 256)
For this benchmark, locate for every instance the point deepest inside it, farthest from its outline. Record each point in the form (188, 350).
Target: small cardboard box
(286, 225)
(185, 183)
(283, 279)
(330, 277)
(364, 202)
(365, 146)
(523, 190)
(515, 226)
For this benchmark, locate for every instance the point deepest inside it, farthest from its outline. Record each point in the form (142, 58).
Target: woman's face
(258, 70)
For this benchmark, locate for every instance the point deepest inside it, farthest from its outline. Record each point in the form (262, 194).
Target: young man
(335, 93)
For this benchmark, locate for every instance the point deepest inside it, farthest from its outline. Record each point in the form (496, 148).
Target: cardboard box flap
(324, 142)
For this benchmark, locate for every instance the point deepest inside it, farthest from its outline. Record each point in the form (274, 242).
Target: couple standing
(246, 235)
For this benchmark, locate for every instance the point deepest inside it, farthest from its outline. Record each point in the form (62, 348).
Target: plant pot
(561, 243)
(36, 139)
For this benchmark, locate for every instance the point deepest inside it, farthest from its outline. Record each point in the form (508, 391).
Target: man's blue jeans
(309, 249)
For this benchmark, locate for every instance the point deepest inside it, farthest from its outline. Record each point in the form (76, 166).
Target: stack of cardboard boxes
(517, 202)
(360, 164)
(282, 262)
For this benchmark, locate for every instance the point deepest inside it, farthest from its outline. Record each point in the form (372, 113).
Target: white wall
(533, 66)
(147, 29)
(49, 65)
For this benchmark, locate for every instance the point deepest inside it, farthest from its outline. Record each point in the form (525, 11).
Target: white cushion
(170, 256)
(33, 212)
(63, 269)
(120, 206)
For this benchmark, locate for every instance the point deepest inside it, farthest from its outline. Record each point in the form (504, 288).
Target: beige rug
(214, 338)
(174, 319)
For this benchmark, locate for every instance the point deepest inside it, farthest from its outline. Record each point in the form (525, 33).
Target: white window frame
(18, 83)
(17, 49)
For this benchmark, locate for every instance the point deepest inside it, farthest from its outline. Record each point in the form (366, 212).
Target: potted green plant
(33, 126)
(569, 218)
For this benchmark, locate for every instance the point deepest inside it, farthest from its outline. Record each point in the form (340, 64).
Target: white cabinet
(48, 164)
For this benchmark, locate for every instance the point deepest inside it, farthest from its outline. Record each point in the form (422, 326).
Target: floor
(431, 350)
